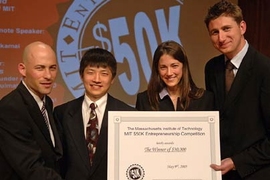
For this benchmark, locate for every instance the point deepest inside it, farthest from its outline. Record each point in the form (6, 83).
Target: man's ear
(22, 69)
(243, 27)
(112, 80)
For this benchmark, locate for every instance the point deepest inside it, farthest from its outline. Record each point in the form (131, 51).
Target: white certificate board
(163, 145)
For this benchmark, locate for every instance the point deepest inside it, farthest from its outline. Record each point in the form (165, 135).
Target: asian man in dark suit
(97, 70)
(245, 107)
(30, 146)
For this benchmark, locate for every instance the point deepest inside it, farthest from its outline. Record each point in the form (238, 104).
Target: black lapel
(220, 81)
(34, 112)
(103, 136)
(74, 122)
(242, 77)
(58, 146)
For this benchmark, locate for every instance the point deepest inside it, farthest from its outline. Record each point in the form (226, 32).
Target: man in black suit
(30, 148)
(97, 71)
(245, 108)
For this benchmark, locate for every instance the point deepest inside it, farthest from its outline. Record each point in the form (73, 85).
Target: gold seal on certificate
(163, 145)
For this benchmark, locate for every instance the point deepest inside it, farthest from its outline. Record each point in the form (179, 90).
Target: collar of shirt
(37, 99)
(100, 109)
(163, 93)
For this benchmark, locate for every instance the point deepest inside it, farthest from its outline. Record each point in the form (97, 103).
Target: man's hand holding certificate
(163, 145)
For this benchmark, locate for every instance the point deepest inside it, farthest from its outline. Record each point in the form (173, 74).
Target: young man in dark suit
(29, 143)
(245, 107)
(97, 71)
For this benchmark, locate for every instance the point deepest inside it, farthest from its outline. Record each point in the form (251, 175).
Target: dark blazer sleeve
(205, 103)
(25, 152)
(139, 103)
(58, 114)
(142, 102)
(255, 112)
(215, 79)
(114, 104)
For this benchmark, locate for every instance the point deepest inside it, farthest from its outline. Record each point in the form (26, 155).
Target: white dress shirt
(100, 109)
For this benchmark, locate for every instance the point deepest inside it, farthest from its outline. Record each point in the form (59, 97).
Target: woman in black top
(171, 87)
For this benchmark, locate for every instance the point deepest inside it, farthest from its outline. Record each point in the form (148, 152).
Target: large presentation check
(163, 145)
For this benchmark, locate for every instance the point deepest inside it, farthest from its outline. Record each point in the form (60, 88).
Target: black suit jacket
(205, 103)
(244, 114)
(26, 150)
(76, 158)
